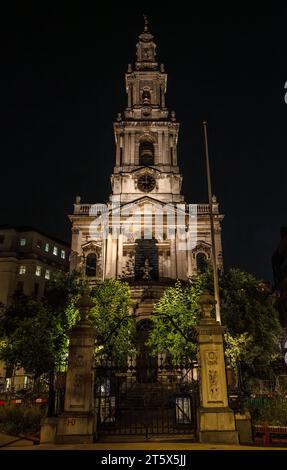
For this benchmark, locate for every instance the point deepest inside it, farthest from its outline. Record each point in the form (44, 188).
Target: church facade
(146, 231)
(148, 235)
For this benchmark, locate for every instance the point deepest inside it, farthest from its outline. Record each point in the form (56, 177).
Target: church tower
(136, 235)
(146, 138)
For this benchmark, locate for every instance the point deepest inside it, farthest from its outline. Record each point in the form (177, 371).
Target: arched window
(146, 98)
(201, 262)
(146, 153)
(91, 265)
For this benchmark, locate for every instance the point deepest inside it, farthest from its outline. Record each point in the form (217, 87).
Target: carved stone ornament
(76, 362)
(213, 384)
(212, 358)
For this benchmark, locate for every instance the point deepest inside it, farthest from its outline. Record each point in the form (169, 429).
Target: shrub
(271, 411)
(20, 419)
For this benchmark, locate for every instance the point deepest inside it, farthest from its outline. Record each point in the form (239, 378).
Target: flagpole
(214, 259)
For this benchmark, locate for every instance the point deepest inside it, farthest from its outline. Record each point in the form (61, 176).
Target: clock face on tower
(146, 183)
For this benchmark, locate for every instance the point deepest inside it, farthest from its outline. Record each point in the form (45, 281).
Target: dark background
(62, 85)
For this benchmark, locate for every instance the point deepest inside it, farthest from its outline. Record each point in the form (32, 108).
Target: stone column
(160, 147)
(129, 97)
(173, 273)
(120, 255)
(132, 148)
(118, 150)
(216, 422)
(78, 421)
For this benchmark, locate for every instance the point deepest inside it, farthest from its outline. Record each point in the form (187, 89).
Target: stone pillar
(161, 148)
(78, 421)
(129, 97)
(120, 255)
(216, 421)
(132, 149)
(173, 274)
(118, 150)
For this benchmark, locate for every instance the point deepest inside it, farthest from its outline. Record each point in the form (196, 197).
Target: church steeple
(146, 50)
(146, 138)
(146, 81)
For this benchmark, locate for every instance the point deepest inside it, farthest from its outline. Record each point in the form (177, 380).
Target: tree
(248, 311)
(27, 336)
(174, 319)
(34, 334)
(253, 328)
(111, 316)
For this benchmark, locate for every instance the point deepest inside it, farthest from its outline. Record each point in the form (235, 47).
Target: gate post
(77, 424)
(216, 421)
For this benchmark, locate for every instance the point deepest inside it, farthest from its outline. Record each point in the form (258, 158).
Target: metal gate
(146, 399)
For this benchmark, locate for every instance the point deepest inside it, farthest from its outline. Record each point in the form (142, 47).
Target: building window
(201, 262)
(39, 244)
(146, 97)
(47, 247)
(26, 381)
(55, 251)
(20, 287)
(23, 241)
(22, 269)
(47, 274)
(8, 383)
(38, 271)
(91, 265)
(36, 288)
(63, 254)
(146, 153)
(2, 238)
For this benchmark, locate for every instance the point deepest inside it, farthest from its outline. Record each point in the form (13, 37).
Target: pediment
(90, 246)
(145, 169)
(202, 247)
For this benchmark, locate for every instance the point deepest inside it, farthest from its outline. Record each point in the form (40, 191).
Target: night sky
(62, 85)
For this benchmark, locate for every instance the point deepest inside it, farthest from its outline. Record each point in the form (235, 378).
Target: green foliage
(20, 419)
(271, 411)
(235, 347)
(253, 329)
(249, 313)
(33, 333)
(174, 319)
(26, 336)
(111, 315)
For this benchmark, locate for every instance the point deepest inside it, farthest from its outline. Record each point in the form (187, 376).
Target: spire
(146, 49)
(146, 24)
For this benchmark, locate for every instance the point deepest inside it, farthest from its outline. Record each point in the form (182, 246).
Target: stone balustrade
(87, 209)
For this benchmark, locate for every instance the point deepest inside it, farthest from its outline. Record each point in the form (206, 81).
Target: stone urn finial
(206, 302)
(84, 305)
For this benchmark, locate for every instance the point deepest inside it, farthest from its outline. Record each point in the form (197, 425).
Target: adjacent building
(28, 257)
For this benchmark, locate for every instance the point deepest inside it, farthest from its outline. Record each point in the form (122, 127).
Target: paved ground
(11, 443)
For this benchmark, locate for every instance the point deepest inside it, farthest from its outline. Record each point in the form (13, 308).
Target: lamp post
(214, 259)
